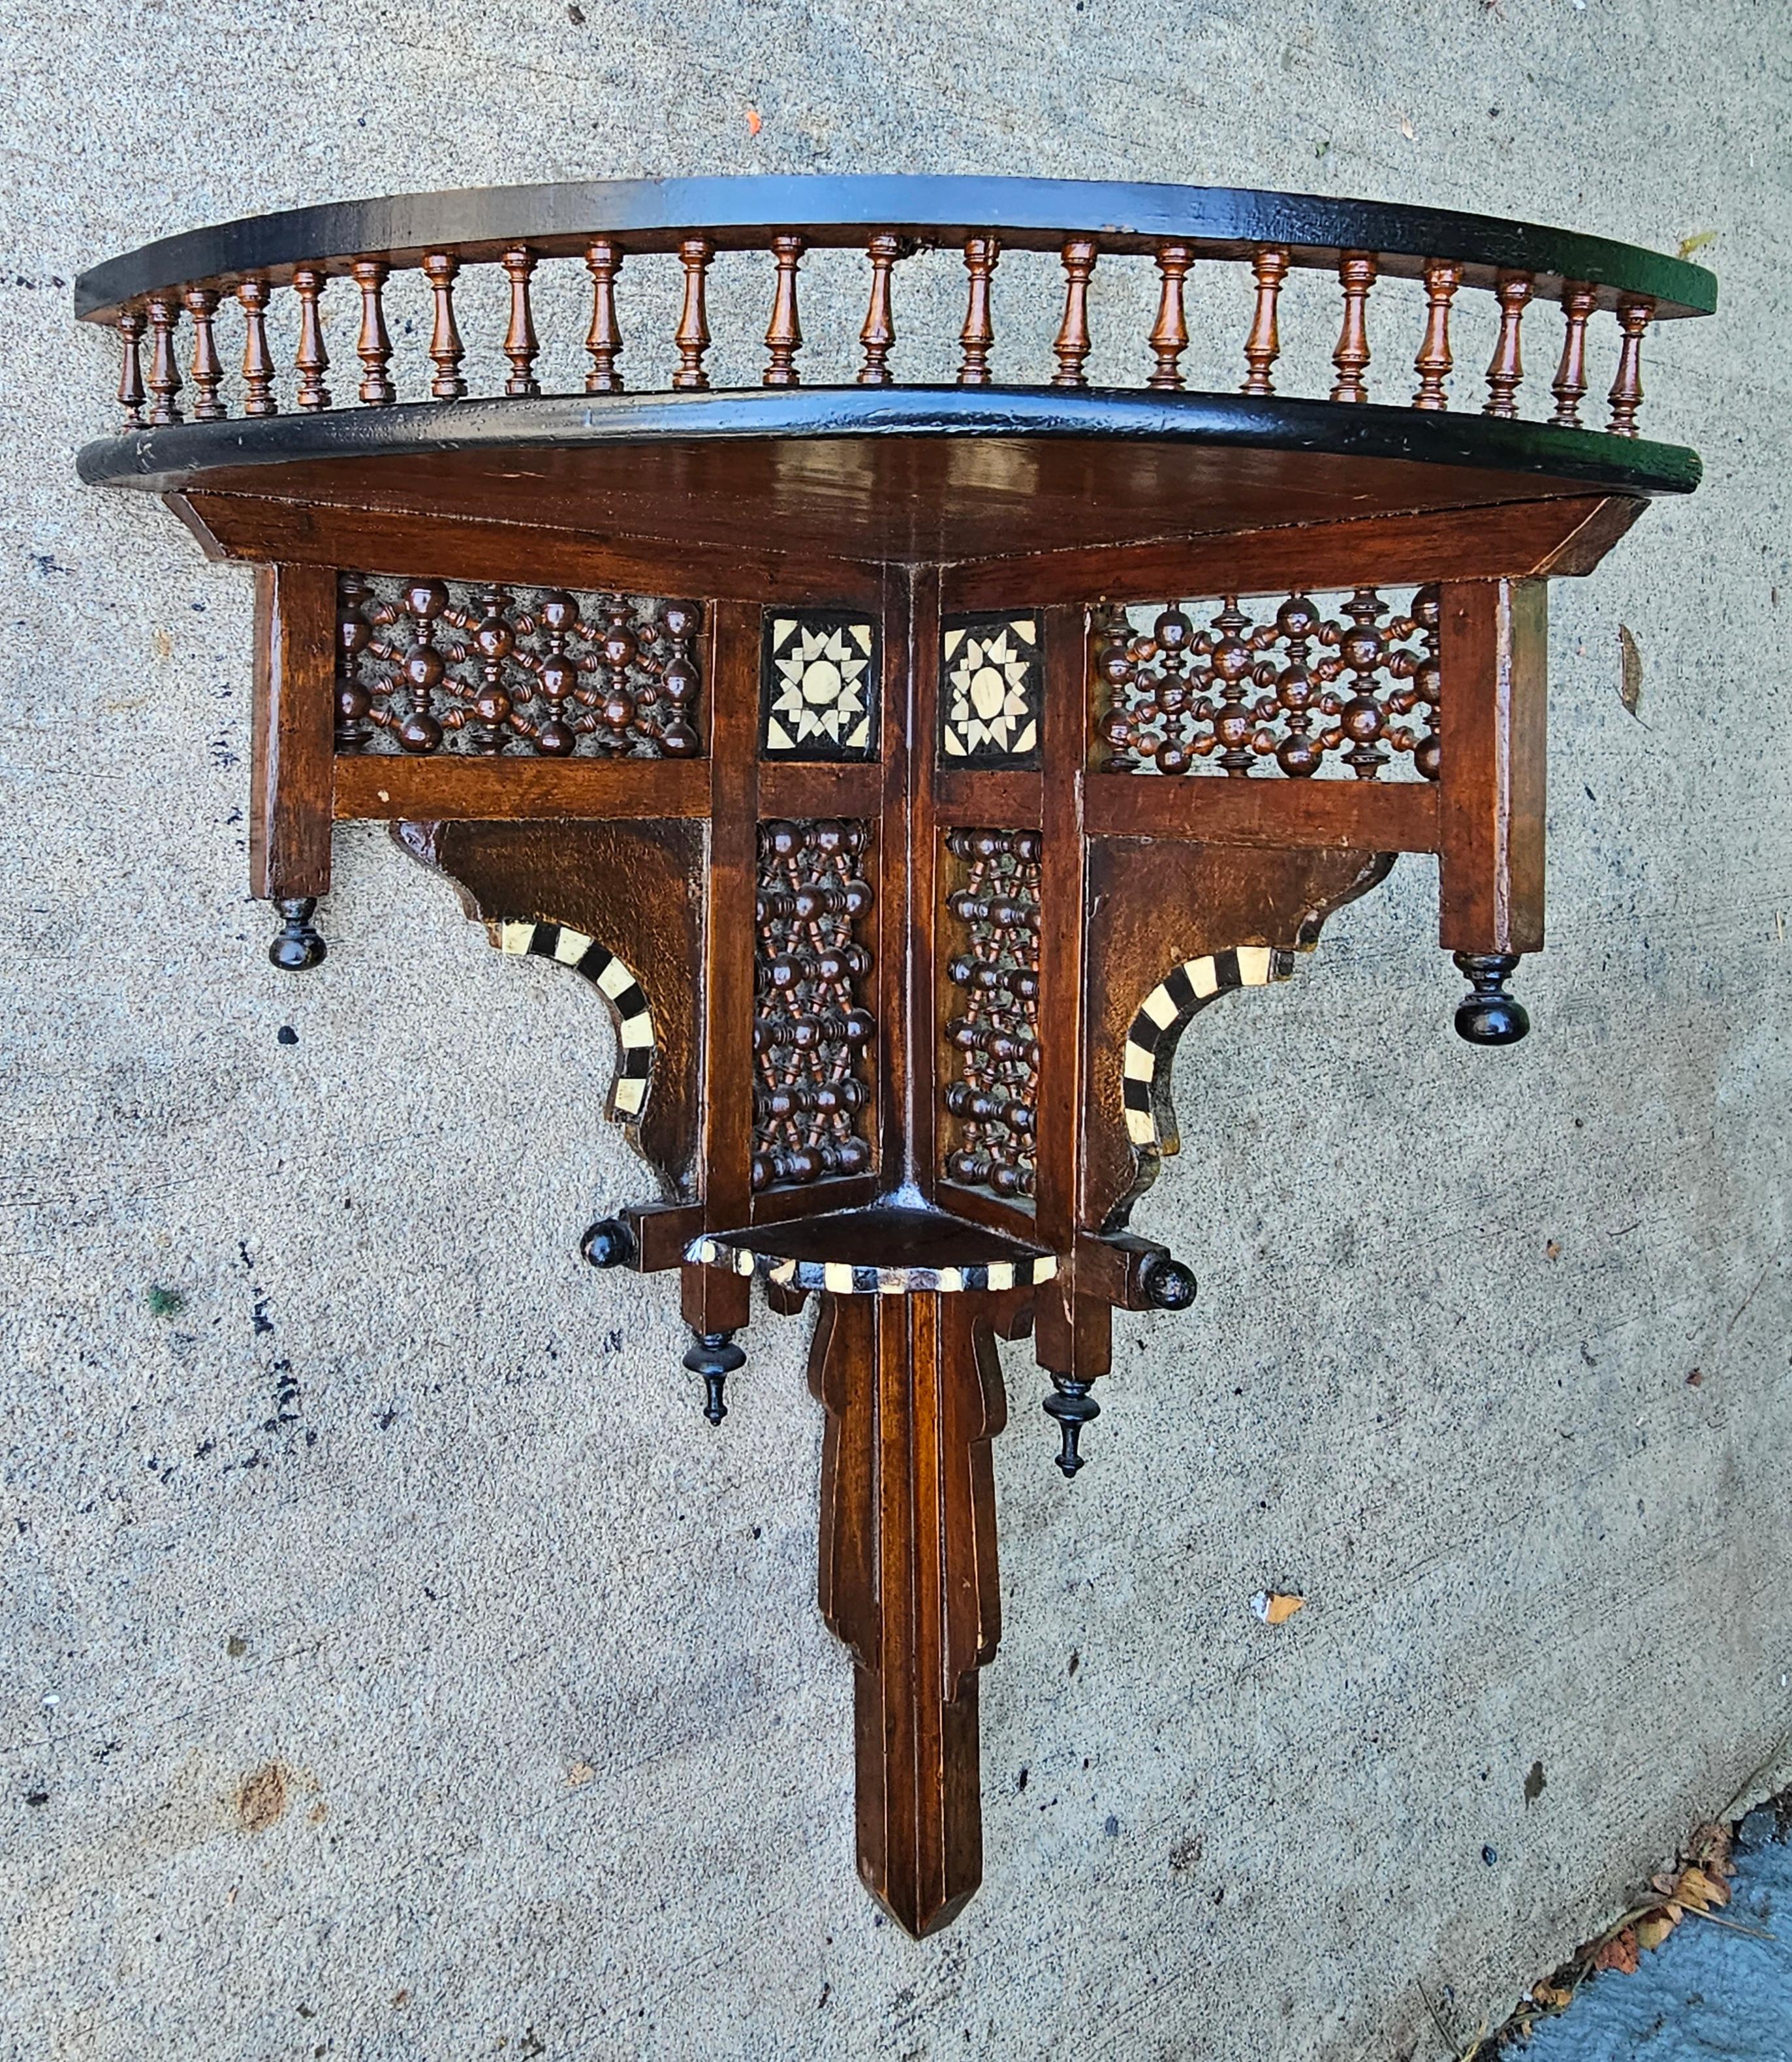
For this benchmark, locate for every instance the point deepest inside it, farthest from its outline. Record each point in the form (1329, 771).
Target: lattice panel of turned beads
(428, 666)
(1348, 690)
(992, 1026)
(812, 1034)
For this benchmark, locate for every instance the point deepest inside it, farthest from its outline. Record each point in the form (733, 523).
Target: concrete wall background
(561, 1748)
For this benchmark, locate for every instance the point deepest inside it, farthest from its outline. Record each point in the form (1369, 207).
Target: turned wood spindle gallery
(603, 342)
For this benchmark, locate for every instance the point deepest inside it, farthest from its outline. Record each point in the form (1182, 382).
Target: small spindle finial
(207, 366)
(981, 256)
(602, 260)
(692, 335)
(1169, 337)
(258, 360)
(1488, 1015)
(313, 360)
(1443, 276)
(297, 944)
(1165, 1284)
(1505, 370)
(164, 374)
(715, 1357)
(1634, 313)
(1072, 1406)
(131, 324)
(1356, 272)
(879, 332)
(609, 1243)
(374, 346)
(1072, 344)
(1263, 345)
(1578, 302)
(441, 268)
(520, 346)
(784, 331)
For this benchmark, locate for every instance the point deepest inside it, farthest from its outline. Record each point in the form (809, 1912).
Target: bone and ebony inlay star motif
(990, 689)
(818, 685)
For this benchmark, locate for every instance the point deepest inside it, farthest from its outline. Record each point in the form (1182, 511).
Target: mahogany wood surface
(291, 762)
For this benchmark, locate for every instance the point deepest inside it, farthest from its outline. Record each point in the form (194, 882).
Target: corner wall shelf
(905, 765)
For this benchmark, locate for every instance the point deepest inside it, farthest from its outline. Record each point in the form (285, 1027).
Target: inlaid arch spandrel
(1172, 926)
(620, 904)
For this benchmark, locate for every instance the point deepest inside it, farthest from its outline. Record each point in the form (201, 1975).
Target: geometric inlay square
(990, 689)
(818, 684)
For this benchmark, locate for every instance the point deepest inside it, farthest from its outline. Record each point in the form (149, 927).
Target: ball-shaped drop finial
(297, 945)
(1487, 1015)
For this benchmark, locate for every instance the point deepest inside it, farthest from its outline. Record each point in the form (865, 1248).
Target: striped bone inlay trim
(1159, 1023)
(566, 947)
(840, 1279)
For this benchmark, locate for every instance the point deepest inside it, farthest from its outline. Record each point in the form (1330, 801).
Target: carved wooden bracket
(904, 769)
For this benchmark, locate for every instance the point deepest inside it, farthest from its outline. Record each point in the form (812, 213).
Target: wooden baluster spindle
(520, 346)
(784, 331)
(374, 346)
(164, 374)
(205, 366)
(1506, 368)
(1578, 302)
(1443, 276)
(1263, 345)
(258, 360)
(130, 326)
(1071, 345)
(981, 256)
(1357, 271)
(441, 268)
(1634, 313)
(603, 260)
(692, 335)
(1169, 337)
(879, 332)
(312, 361)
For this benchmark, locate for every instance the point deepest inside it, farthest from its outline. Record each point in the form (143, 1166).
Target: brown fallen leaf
(1274, 1608)
(1697, 1889)
(1619, 1953)
(1552, 1997)
(1630, 668)
(1654, 1930)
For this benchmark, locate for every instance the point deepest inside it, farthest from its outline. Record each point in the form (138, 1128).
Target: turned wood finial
(1357, 271)
(164, 374)
(609, 1243)
(441, 268)
(1634, 313)
(602, 260)
(980, 256)
(1071, 1406)
(1488, 1015)
(879, 331)
(313, 360)
(258, 360)
(1072, 344)
(1169, 337)
(520, 344)
(784, 331)
(715, 1357)
(1505, 370)
(130, 327)
(207, 366)
(1262, 346)
(1443, 276)
(692, 335)
(1578, 302)
(297, 944)
(374, 346)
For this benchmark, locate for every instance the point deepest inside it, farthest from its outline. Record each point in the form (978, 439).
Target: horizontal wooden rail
(167, 300)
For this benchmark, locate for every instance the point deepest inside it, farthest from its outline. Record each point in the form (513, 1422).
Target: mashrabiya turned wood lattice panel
(1006, 722)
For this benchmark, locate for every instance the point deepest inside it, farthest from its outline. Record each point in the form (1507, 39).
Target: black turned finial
(715, 1357)
(1488, 1016)
(1165, 1284)
(609, 1243)
(296, 944)
(1070, 1403)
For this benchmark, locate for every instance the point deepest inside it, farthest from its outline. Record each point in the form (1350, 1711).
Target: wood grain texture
(290, 753)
